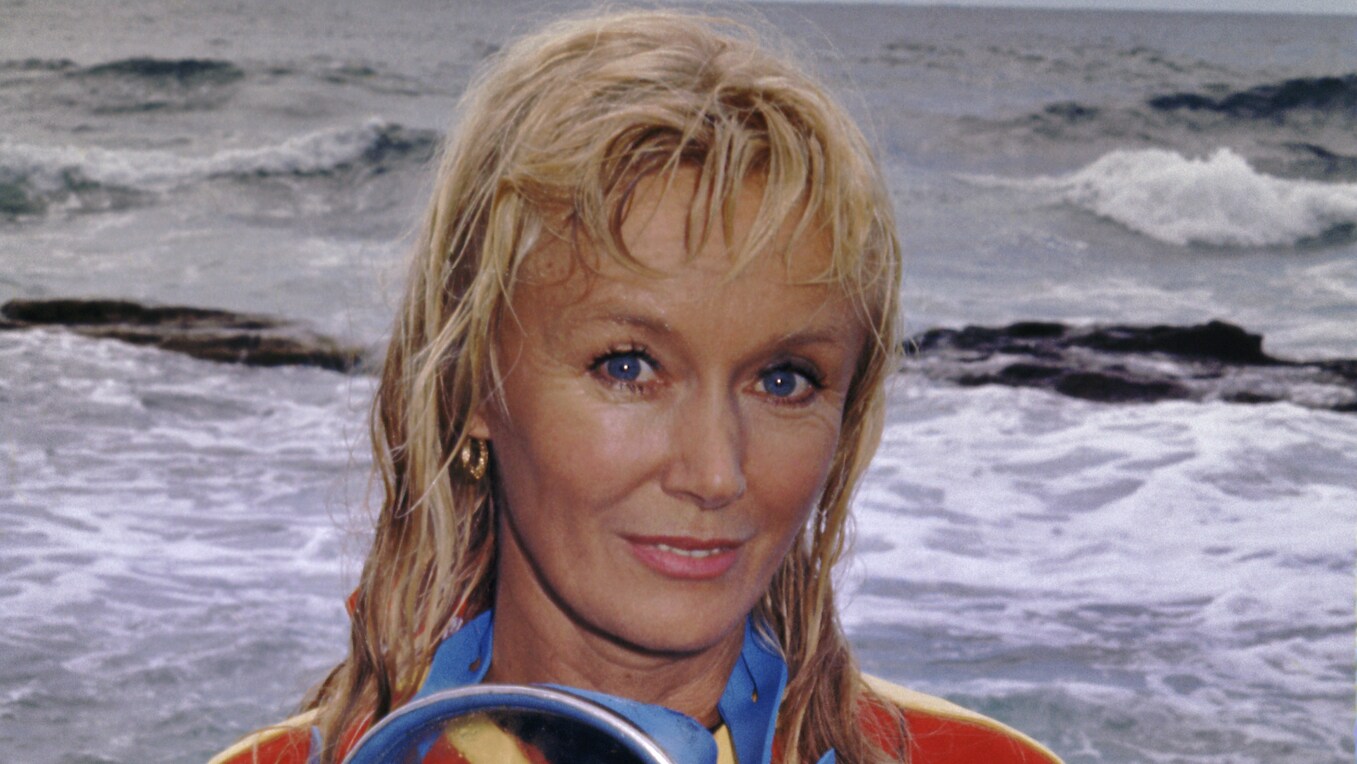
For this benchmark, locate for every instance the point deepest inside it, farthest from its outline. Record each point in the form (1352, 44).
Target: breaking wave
(1220, 200)
(34, 177)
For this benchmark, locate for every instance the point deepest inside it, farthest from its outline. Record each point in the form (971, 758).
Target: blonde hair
(557, 132)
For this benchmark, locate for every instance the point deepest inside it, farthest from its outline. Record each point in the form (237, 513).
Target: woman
(637, 373)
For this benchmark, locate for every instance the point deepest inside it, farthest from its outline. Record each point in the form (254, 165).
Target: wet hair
(552, 139)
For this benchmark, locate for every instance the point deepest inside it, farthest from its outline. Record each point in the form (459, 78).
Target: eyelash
(815, 383)
(639, 388)
(813, 379)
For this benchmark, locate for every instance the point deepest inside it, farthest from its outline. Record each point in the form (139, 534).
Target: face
(659, 442)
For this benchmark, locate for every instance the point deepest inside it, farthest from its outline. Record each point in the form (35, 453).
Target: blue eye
(786, 384)
(780, 382)
(626, 367)
(630, 368)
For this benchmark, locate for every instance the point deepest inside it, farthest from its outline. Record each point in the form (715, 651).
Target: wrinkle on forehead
(562, 253)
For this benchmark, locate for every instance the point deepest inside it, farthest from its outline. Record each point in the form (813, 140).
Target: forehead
(686, 284)
(671, 231)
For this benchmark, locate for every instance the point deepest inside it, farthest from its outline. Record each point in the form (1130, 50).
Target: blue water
(1165, 583)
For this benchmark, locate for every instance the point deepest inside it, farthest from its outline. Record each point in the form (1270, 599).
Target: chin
(674, 631)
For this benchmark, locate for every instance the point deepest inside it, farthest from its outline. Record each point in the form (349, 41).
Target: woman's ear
(479, 427)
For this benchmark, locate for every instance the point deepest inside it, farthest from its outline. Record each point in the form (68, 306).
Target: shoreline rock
(1102, 363)
(1132, 364)
(211, 335)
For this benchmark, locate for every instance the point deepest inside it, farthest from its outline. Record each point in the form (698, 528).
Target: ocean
(1159, 579)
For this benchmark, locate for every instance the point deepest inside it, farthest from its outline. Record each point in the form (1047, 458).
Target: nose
(706, 466)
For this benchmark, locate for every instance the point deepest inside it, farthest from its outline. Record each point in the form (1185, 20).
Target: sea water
(1166, 582)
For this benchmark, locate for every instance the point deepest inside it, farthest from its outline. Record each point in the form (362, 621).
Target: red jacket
(939, 732)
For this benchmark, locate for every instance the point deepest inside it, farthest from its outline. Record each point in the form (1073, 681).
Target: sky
(1343, 7)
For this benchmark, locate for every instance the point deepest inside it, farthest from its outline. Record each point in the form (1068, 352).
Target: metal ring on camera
(423, 719)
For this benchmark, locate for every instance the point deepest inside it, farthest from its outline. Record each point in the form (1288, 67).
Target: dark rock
(1115, 388)
(1122, 364)
(105, 312)
(1020, 373)
(1250, 397)
(1036, 330)
(213, 335)
(1216, 340)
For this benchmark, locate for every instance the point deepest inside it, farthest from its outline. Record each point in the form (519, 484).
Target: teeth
(688, 552)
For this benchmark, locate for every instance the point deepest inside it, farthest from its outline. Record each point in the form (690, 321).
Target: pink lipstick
(683, 557)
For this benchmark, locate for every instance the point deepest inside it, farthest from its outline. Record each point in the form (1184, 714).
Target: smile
(685, 559)
(698, 553)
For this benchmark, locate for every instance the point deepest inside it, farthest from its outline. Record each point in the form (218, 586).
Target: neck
(537, 641)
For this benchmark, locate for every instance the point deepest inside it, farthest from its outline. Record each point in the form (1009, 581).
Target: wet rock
(1216, 340)
(1114, 388)
(1111, 364)
(213, 335)
(1128, 364)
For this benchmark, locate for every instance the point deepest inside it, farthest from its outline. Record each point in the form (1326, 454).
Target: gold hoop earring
(475, 459)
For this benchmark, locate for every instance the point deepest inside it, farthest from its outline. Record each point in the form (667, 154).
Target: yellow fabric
(725, 746)
(910, 700)
(482, 742)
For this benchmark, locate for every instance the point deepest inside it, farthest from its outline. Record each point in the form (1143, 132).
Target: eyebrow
(799, 338)
(652, 325)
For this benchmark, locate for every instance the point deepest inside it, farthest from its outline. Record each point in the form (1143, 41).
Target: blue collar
(748, 706)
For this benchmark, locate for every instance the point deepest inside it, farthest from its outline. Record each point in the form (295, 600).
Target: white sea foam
(107, 517)
(186, 521)
(1218, 200)
(51, 169)
(1190, 548)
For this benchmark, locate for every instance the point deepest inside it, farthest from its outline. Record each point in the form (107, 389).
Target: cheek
(611, 444)
(569, 456)
(789, 467)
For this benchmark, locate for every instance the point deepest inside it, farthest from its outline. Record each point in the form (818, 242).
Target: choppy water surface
(1166, 583)
(174, 545)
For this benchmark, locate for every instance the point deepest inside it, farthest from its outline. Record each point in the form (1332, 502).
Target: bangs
(605, 112)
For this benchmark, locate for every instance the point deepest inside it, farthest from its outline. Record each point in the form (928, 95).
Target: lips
(685, 558)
